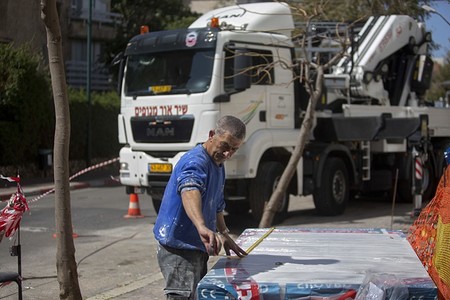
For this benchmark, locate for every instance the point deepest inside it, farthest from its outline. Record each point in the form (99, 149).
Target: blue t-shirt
(195, 170)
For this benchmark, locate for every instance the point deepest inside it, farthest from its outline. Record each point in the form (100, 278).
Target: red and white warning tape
(102, 164)
(419, 168)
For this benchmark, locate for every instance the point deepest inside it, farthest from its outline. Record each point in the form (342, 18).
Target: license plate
(161, 88)
(160, 168)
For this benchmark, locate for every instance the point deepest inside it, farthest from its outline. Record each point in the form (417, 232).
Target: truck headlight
(124, 166)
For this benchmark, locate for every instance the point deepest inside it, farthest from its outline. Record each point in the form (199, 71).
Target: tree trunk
(271, 207)
(65, 252)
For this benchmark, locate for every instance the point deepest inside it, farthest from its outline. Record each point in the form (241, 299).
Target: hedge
(27, 114)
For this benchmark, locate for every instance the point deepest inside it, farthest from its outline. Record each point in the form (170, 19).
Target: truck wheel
(429, 184)
(261, 188)
(236, 207)
(156, 204)
(331, 198)
(157, 195)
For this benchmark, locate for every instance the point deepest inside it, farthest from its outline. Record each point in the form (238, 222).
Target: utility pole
(88, 85)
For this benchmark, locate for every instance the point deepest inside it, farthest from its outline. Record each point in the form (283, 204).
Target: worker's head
(225, 139)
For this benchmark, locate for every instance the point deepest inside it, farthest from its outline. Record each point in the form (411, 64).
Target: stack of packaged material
(301, 263)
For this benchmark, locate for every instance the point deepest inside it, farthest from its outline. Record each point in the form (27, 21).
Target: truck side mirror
(118, 61)
(242, 64)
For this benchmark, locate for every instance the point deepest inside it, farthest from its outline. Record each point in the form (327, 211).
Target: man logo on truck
(161, 132)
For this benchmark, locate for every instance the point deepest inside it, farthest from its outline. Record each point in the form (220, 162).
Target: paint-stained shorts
(182, 270)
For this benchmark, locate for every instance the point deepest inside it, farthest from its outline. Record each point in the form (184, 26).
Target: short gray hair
(232, 125)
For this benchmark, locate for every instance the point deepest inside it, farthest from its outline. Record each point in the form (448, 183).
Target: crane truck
(373, 132)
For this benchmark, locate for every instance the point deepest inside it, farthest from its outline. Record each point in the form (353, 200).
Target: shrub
(26, 108)
(105, 107)
(27, 115)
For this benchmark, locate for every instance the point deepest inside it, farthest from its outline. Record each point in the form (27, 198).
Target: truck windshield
(175, 72)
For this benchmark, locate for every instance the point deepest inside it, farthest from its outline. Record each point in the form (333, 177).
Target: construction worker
(190, 225)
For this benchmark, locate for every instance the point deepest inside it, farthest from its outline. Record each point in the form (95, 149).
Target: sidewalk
(147, 286)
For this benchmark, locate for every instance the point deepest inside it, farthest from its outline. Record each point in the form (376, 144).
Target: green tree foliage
(27, 113)
(26, 107)
(441, 75)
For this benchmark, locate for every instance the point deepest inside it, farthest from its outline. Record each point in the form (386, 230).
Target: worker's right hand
(210, 240)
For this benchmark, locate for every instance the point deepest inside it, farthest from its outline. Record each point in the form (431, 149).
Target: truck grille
(164, 129)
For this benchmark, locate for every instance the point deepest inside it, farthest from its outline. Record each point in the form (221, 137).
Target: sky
(440, 30)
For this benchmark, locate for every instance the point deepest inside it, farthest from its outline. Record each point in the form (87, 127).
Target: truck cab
(177, 83)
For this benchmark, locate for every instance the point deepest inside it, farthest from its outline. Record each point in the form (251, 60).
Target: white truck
(372, 127)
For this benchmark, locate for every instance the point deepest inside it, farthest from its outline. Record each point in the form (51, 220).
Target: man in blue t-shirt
(190, 225)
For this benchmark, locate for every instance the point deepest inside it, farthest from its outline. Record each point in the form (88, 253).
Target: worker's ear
(211, 133)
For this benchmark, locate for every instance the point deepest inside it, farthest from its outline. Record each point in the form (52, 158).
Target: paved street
(116, 255)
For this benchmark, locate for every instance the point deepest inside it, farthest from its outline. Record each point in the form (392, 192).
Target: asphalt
(147, 286)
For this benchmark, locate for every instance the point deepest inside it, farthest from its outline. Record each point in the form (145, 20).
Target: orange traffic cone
(133, 210)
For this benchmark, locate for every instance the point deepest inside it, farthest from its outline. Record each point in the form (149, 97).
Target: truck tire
(261, 188)
(429, 184)
(236, 207)
(156, 204)
(331, 198)
(157, 195)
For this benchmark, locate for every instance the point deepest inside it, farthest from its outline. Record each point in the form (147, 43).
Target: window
(79, 51)
(260, 69)
(175, 72)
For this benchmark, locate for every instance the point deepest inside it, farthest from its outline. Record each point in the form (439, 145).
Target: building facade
(21, 23)
(103, 29)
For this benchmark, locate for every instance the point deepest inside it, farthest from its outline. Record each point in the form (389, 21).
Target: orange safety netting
(430, 236)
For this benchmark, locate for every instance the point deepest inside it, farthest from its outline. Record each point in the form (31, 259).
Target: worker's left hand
(229, 244)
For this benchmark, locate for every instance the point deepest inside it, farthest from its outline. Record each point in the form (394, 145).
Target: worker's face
(222, 147)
